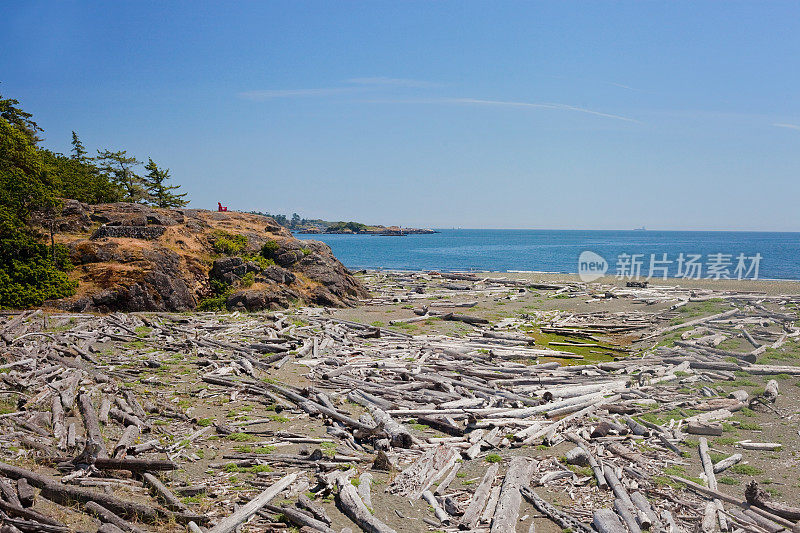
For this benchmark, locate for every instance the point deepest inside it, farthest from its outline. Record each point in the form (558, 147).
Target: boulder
(228, 269)
(258, 300)
(278, 275)
(160, 219)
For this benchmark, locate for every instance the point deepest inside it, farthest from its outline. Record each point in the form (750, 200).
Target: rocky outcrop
(131, 257)
(147, 233)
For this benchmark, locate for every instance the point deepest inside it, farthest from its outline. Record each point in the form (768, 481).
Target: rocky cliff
(130, 257)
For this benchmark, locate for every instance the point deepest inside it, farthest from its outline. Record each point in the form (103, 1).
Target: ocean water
(558, 251)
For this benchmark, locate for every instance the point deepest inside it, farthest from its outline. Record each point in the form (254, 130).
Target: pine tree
(160, 192)
(78, 151)
(120, 168)
(10, 111)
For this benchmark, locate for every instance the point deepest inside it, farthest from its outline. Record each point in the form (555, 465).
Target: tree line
(293, 222)
(34, 180)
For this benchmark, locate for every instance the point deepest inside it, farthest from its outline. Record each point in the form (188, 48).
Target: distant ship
(640, 229)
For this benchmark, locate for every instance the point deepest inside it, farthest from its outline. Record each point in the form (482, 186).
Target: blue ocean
(718, 254)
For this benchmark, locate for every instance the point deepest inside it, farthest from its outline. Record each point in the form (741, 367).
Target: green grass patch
(745, 470)
(750, 426)
(239, 437)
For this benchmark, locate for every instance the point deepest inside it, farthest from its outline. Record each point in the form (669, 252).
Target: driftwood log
(232, 522)
(759, 498)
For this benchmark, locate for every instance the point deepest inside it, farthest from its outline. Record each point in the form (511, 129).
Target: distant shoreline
(375, 230)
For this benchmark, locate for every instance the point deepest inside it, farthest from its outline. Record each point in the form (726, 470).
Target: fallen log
(170, 500)
(304, 502)
(92, 426)
(507, 511)
(440, 513)
(626, 507)
(111, 518)
(760, 446)
(607, 521)
(27, 514)
(350, 503)
(730, 499)
(711, 479)
(232, 522)
(471, 516)
(700, 428)
(726, 463)
(299, 518)
(131, 465)
(58, 492)
(759, 498)
(564, 520)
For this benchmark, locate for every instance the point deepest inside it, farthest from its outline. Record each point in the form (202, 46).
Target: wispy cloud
(788, 126)
(393, 82)
(506, 103)
(622, 86)
(374, 84)
(267, 94)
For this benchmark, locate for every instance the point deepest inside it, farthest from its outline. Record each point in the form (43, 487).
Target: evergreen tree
(79, 179)
(30, 272)
(78, 151)
(295, 220)
(120, 168)
(15, 116)
(160, 192)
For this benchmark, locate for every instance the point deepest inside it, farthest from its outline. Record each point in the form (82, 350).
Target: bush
(248, 280)
(218, 302)
(269, 249)
(30, 271)
(259, 259)
(229, 244)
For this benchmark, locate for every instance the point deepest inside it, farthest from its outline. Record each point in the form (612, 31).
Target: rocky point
(131, 257)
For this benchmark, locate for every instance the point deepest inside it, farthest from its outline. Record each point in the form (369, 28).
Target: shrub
(228, 244)
(259, 259)
(30, 271)
(218, 302)
(269, 248)
(248, 280)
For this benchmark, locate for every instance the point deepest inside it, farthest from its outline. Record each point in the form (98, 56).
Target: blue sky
(585, 115)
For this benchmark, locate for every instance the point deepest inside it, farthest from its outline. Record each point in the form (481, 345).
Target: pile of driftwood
(90, 418)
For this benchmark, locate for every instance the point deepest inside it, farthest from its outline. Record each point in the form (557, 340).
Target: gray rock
(147, 233)
(158, 219)
(228, 269)
(278, 275)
